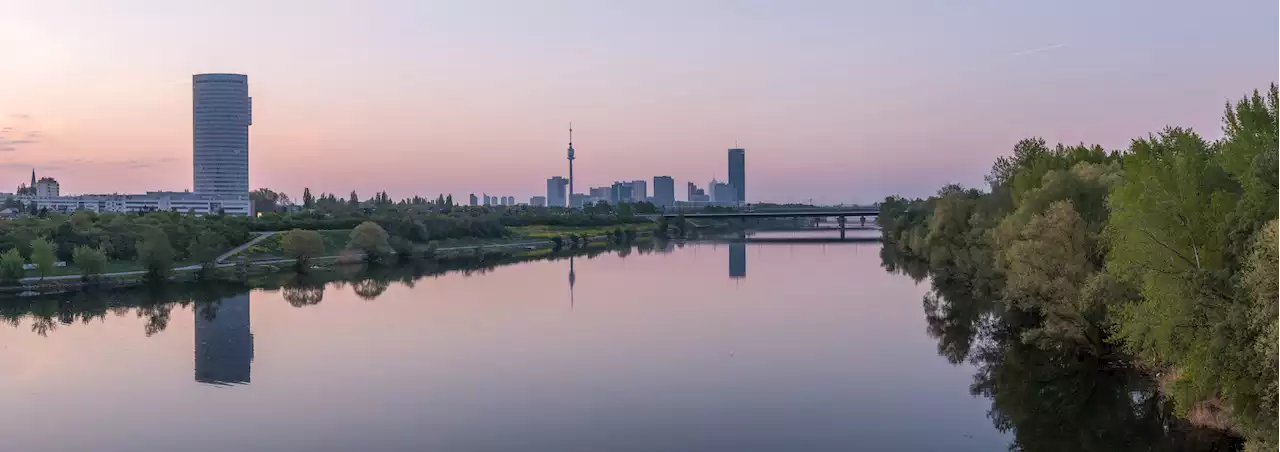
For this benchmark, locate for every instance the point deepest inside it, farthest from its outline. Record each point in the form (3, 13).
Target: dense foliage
(202, 239)
(1162, 255)
(116, 234)
(302, 246)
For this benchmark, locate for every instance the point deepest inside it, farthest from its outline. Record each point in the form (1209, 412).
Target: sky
(837, 101)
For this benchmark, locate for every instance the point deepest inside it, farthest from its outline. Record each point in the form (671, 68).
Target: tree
(440, 200)
(308, 201)
(1049, 265)
(155, 254)
(448, 200)
(661, 229)
(11, 266)
(370, 239)
(81, 221)
(353, 200)
(266, 200)
(91, 261)
(42, 255)
(557, 242)
(302, 246)
(402, 248)
(205, 250)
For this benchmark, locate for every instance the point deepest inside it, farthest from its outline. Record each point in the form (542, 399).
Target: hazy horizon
(834, 101)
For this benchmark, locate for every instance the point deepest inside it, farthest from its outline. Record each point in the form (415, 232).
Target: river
(700, 346)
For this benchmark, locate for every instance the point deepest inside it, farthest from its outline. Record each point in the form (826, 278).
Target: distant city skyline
(836, 101)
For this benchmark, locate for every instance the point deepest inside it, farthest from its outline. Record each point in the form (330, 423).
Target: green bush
(91, 262)
(155, 254)
(42, 255)
(11, 264)
(302, 246)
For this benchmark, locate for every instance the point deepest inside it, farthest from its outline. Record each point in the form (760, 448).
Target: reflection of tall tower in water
(224, 341)
(737, 260)
(572, 278)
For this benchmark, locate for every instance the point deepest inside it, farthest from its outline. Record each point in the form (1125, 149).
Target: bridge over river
(841, 214)
(868, 211)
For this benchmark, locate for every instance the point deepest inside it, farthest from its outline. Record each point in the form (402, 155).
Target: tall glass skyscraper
(221, 114)
(737, 173)
(664, 191)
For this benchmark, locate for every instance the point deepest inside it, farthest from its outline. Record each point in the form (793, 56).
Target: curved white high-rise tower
(221, 114)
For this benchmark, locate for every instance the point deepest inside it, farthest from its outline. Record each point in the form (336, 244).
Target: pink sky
(835, 101)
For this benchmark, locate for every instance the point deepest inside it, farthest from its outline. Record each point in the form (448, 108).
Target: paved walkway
(261, 236)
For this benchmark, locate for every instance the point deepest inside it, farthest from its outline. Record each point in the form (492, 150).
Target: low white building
(173, 201)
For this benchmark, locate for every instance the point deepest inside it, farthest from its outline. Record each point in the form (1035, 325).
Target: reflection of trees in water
(303, 296)
(301, 291)
(155, 303)
(1052, 397)
(371, 288)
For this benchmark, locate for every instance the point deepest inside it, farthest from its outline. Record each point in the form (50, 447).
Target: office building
(620, 192)
(578, 200)
(46, 187)
(486, 198)
(664, 191)
(600, 193)
(556, 194)
(222, 113)
(508, 200)
(474, 200)
(223, 341)
(696, 194)
(154, 201)
(722, 192)
(538, 201)
(639, 191)
(737, 174)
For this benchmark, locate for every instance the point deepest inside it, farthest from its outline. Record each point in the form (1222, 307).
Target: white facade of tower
(221, 114)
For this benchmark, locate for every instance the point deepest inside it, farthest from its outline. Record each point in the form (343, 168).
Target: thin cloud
(20, 116)
(7, 148)
(79, 163)
(1038, 50)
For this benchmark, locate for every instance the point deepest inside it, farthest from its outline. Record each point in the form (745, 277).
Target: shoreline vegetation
(53, 253)
(1157, 262)
(156, 301)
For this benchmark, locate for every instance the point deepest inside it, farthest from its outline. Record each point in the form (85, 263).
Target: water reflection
(573, 278)
(1050, 398)
(223, 341)
(737, 260)
(495, 362)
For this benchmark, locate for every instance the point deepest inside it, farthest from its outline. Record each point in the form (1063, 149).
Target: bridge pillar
(841, 220)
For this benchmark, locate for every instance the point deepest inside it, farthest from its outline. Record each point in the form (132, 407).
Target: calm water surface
(709, 346)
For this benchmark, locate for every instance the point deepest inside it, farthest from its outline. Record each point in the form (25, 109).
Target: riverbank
(241, 268)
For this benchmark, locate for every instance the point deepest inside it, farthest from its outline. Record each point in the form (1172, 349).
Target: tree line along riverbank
(1161, 257)
(86, 249)
(155, 302)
